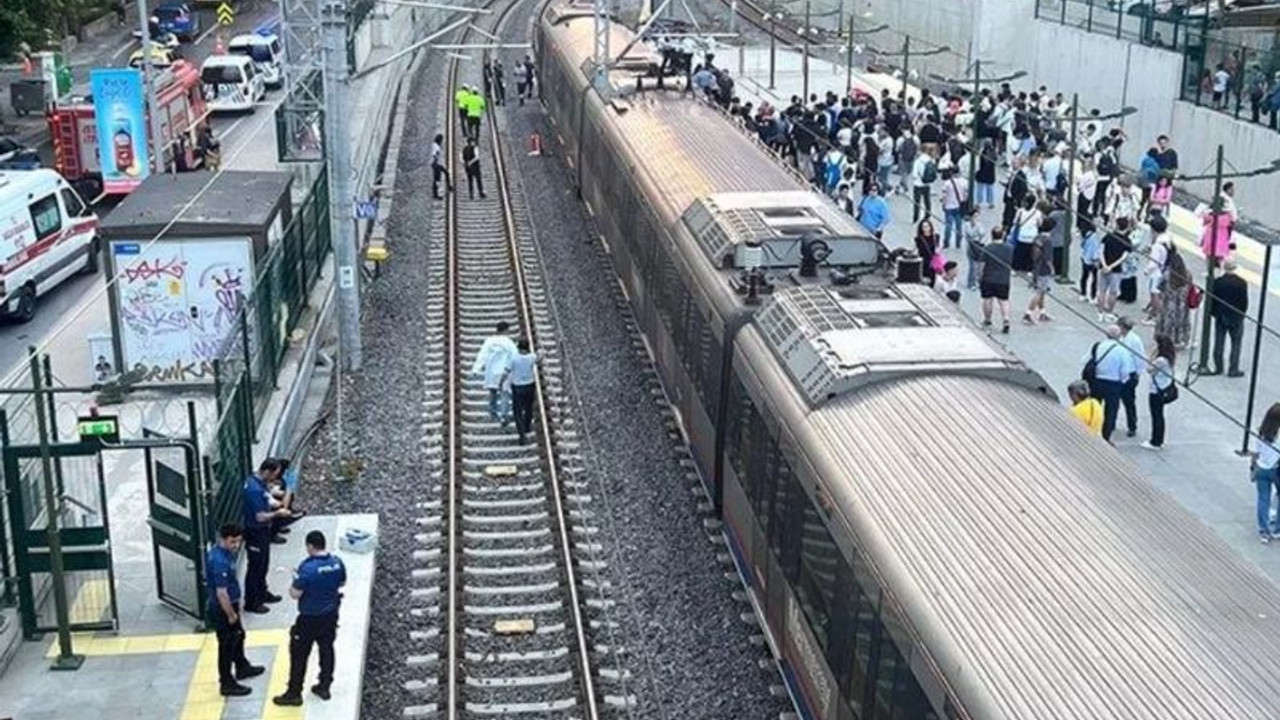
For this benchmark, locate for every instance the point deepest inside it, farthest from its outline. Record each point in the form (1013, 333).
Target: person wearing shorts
(993, 286)
(1115, 250)
(1041, 273)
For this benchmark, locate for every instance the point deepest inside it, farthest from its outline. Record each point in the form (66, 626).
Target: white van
(232, 83)
(47, 234)
(266, 53)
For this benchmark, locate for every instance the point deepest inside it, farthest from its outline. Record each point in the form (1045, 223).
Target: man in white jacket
(496, 352)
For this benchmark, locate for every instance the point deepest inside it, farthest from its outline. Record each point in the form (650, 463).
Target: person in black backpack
(1107, 368)
(1108, 170)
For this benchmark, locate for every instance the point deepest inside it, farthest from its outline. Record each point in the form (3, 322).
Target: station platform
(145, 672)
(1200, 465)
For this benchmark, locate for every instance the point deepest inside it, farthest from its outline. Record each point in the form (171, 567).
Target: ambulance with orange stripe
(47, 234)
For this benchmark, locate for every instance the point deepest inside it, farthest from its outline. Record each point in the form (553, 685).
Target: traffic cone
(535, 144)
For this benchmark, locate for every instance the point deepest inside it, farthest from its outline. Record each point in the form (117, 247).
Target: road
(113, 50)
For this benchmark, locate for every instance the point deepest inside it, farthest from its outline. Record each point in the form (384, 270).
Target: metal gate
(81, 505)
(174, 518)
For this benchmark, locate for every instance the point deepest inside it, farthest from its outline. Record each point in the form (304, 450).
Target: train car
(925, 532)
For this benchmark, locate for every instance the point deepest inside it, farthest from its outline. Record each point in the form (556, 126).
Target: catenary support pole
(848, 58)
(804, 60)
(341, 194)
(773, 50)
(906, 66)
(1257, 347)
(1069, 198)
(1206, 308)
(149, 89)
(66, 660)
(977, 142)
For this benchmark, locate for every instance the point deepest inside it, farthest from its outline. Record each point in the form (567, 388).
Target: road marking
(127, 46)
(205, 34)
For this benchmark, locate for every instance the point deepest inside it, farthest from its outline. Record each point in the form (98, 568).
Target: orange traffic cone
(535, 144)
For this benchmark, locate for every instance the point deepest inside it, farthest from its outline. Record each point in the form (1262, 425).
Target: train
(925, 532)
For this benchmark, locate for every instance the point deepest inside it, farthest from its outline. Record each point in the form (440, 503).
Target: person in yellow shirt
(475, 111)
(1086, 407)
(460, 97)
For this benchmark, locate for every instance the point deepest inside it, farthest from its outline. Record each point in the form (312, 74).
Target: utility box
(28, 96)
(186, 249)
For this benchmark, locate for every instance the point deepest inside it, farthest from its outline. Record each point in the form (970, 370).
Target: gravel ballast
(689, 652)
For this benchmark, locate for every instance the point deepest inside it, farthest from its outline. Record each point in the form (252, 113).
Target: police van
(47, 234)
(266, 53)
(232, 83)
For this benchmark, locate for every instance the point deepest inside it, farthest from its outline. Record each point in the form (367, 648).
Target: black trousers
(230, 644)
(437, 173)
(1109, 392)
(257, 543)
(1156, 405)
(1221, 331)
(1088, 280)
(500, 92)
(522, 407)
(921, 200)
(308, 630)
(473, 127)
(474, 182)
(1100, 197)
(1130, 399)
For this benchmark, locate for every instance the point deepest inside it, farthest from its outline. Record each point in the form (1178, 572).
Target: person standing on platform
(492, 361)
(258, 517)
(223, 612)
(1112, 365)
(1230, 304)
(1163, 387)
(1137, 353)
(471, 160)
(1265, 465)
(521, 373)
(316, 586)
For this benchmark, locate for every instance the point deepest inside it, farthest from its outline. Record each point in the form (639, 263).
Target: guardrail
(1154, 23)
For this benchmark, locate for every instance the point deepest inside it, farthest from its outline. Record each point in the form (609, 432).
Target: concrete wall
(1197, 132)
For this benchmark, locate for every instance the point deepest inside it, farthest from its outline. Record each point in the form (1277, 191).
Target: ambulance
(47, 234)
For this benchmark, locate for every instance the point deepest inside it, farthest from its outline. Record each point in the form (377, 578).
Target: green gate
(174, 517)
(81, 505)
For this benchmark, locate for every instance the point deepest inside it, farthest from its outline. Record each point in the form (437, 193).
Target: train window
(819, 561)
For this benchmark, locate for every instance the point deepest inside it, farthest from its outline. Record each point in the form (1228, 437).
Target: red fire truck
(182, 113)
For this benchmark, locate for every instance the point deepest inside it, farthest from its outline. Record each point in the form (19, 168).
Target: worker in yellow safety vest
(460, 100)
(475, 108)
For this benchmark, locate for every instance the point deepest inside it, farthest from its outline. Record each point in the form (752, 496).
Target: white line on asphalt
(123, 48)
(205, 34)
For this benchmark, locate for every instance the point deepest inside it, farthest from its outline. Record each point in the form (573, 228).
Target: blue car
(178, 18)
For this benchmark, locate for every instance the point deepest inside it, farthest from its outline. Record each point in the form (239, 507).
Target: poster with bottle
(120, 117)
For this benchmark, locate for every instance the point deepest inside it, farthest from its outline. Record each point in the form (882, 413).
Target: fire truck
(181, 112)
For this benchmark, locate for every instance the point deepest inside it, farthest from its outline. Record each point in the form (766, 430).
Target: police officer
(223, 612)
(315, 587)
(258, 516)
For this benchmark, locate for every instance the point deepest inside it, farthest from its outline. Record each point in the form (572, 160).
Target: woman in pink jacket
(1215, 237)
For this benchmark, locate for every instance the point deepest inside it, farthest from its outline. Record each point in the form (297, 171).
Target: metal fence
(248, 364)
(1237, 79)
(1155, 23)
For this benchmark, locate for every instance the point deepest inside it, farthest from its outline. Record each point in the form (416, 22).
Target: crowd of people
(1001, 170)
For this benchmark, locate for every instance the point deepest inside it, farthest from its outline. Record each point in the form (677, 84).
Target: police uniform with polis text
(316, 586)
(257, 516)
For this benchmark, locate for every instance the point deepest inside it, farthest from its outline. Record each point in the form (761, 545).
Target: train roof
(1046, 576)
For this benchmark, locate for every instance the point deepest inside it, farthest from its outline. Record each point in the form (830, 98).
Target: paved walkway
(1199, 465)
(159, 668)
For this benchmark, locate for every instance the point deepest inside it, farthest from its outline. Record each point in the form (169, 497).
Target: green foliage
(39, 23)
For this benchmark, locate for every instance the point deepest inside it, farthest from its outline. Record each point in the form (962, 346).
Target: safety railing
(1234, 78)
(1155, 23)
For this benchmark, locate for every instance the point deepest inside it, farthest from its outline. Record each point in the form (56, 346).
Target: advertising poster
(178, 302)
(122, 128)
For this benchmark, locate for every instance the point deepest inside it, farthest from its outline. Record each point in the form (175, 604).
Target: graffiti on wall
(177, 303)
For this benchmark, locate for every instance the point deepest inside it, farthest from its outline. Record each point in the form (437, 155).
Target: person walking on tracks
(492, 361)
(258, 517)
(223, 612)
(438, 169)
(475, 108)
(471, 160)
(460, 100)
(316, 586)
(521, 372)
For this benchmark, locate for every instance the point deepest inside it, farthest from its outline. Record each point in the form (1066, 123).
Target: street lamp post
(1064, 272)
(804, 60)
(773, 47)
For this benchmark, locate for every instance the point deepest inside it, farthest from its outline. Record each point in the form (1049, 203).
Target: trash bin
(28, 96)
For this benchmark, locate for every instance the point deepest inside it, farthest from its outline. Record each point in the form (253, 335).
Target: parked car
(232, 83)
(167, 39)
(265, 51)
(16, 156)
(178, 18)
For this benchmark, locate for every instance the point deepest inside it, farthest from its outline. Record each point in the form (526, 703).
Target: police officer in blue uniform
(223, 612)
(316, 587)
(258, 518)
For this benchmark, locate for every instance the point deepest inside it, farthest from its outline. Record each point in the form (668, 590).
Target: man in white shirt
(924, 173)
(1137, 353)
(492, 361)
(438, 169)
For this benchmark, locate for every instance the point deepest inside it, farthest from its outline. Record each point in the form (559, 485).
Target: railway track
(505, 588)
